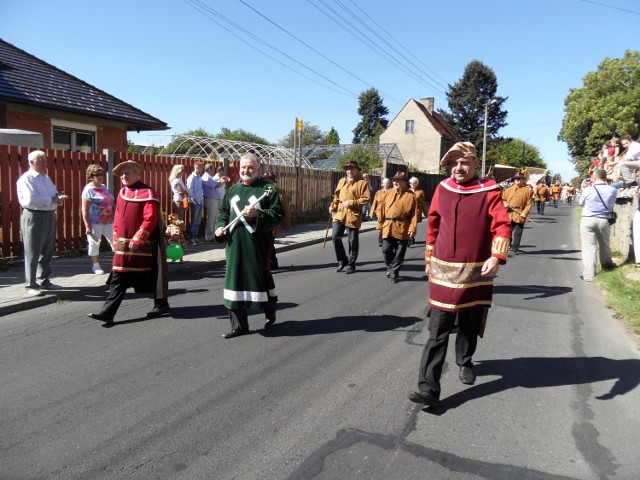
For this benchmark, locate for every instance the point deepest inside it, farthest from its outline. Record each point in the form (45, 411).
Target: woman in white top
(180, 191)
(98, 207)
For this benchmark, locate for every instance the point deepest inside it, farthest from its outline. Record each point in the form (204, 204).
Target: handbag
(612, 216)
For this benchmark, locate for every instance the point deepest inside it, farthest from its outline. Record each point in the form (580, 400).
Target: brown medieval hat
(271, 176)
(128, 164)
(520, 174)
(399, 176)
(459, 150)
(351, 164)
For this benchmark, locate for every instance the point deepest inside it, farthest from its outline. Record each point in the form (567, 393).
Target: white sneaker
(34, 292)
(97, 270)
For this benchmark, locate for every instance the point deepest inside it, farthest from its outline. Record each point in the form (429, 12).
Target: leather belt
(39, 211)
(395, 219)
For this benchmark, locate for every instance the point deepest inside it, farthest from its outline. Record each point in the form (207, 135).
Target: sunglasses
(97, 175)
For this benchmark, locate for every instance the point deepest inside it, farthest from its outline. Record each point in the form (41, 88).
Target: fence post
(110, 155)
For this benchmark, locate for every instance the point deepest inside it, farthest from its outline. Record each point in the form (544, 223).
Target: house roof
(438, 122)
(27, 80)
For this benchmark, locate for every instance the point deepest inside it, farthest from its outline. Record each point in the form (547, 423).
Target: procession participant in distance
(377, 198)
(420, 200)
(467, 239)
(541, 195)
(286, 221)
(397, 222)
(140, 260)
(517, 201)
(556, 191)
(351, 194)
(248, 282)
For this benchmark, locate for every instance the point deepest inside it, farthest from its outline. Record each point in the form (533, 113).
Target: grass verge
(621, 288)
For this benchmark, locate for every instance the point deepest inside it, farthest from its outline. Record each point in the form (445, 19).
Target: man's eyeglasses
(97, 174)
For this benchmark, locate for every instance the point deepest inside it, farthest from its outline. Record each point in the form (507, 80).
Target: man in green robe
(254, 205)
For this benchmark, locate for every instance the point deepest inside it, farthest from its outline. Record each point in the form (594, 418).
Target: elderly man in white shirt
(39, 199)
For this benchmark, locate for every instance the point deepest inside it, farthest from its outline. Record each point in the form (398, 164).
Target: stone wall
(621, 239)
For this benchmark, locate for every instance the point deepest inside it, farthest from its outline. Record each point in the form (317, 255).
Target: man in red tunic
(140, 259)
(468, 235)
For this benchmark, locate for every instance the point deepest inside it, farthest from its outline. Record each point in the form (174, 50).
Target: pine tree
(373, 122)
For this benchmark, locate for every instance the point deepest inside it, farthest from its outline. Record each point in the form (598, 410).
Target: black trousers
(354, 243)
(240, 320)
(516, 235)
(120, 283)
(540, 205)
(394, 250)
(435, 351)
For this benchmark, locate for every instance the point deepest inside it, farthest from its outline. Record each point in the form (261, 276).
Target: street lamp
(484, 141)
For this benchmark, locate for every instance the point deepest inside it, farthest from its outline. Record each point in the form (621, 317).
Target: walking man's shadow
(540, 372)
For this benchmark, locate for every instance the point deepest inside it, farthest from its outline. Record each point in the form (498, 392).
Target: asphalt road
(323, 395)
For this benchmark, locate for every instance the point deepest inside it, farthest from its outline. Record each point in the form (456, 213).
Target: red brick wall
(31, 122)
(112, 138)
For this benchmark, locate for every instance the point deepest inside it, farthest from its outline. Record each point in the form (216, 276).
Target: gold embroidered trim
(128, 269)
(500, 246)
(454, 264)
(463, 305)
(142, 235)
(137, 254)
(460, 285)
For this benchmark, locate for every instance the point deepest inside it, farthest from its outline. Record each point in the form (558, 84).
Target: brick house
(70, 113)
(421, 134)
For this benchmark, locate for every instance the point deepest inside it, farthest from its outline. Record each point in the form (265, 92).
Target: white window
(408, 126)
(74, 136)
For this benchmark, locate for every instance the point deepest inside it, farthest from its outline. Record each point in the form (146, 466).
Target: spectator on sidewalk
(98, 206)
(468, 234)
(39, 200)
(181, 193)
(213, 188)
(595, 230)
(140, 258)
(351, 194)
(248, 282)
(194, 185)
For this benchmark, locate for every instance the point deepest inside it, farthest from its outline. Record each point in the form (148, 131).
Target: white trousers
(93, 241)
(212, 205)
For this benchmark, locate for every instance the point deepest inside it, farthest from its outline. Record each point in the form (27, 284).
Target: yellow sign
(298, 124)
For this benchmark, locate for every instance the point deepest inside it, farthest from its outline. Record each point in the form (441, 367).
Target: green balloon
(174, 251)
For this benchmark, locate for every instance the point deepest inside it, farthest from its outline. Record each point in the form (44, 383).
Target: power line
(203, 9)
(313, 49)
(611, 7)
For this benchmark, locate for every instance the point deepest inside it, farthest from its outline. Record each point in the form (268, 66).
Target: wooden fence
(67, 170)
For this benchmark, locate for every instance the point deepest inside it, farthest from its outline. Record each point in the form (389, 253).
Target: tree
(241, 135)
(365, 154)
(311, 135)
(607, 105)
(467, 99)
(373, 121)
(180, 146)
(515, 152)
(332, 138)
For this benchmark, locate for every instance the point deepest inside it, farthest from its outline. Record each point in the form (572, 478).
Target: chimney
(428, 102)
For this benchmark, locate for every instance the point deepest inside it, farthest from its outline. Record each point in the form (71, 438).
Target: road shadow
(552, 252)
(544, 372)
(535, 291)
(323, 326)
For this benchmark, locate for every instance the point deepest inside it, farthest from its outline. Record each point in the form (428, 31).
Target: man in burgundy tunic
(139, 261)
(468, 235)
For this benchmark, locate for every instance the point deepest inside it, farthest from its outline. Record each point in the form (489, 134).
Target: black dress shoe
(466, 375)
(103, 317)
(350, 269)
(158, 312)
(340, 267)
(424, 397)
(268, 322)
(395, 279)
(234, 333)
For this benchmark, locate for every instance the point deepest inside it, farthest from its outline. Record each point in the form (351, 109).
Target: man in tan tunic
(351, 194)
(397, 222)
(517, 201)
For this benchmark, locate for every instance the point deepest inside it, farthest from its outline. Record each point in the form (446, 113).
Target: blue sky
(172, 61)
